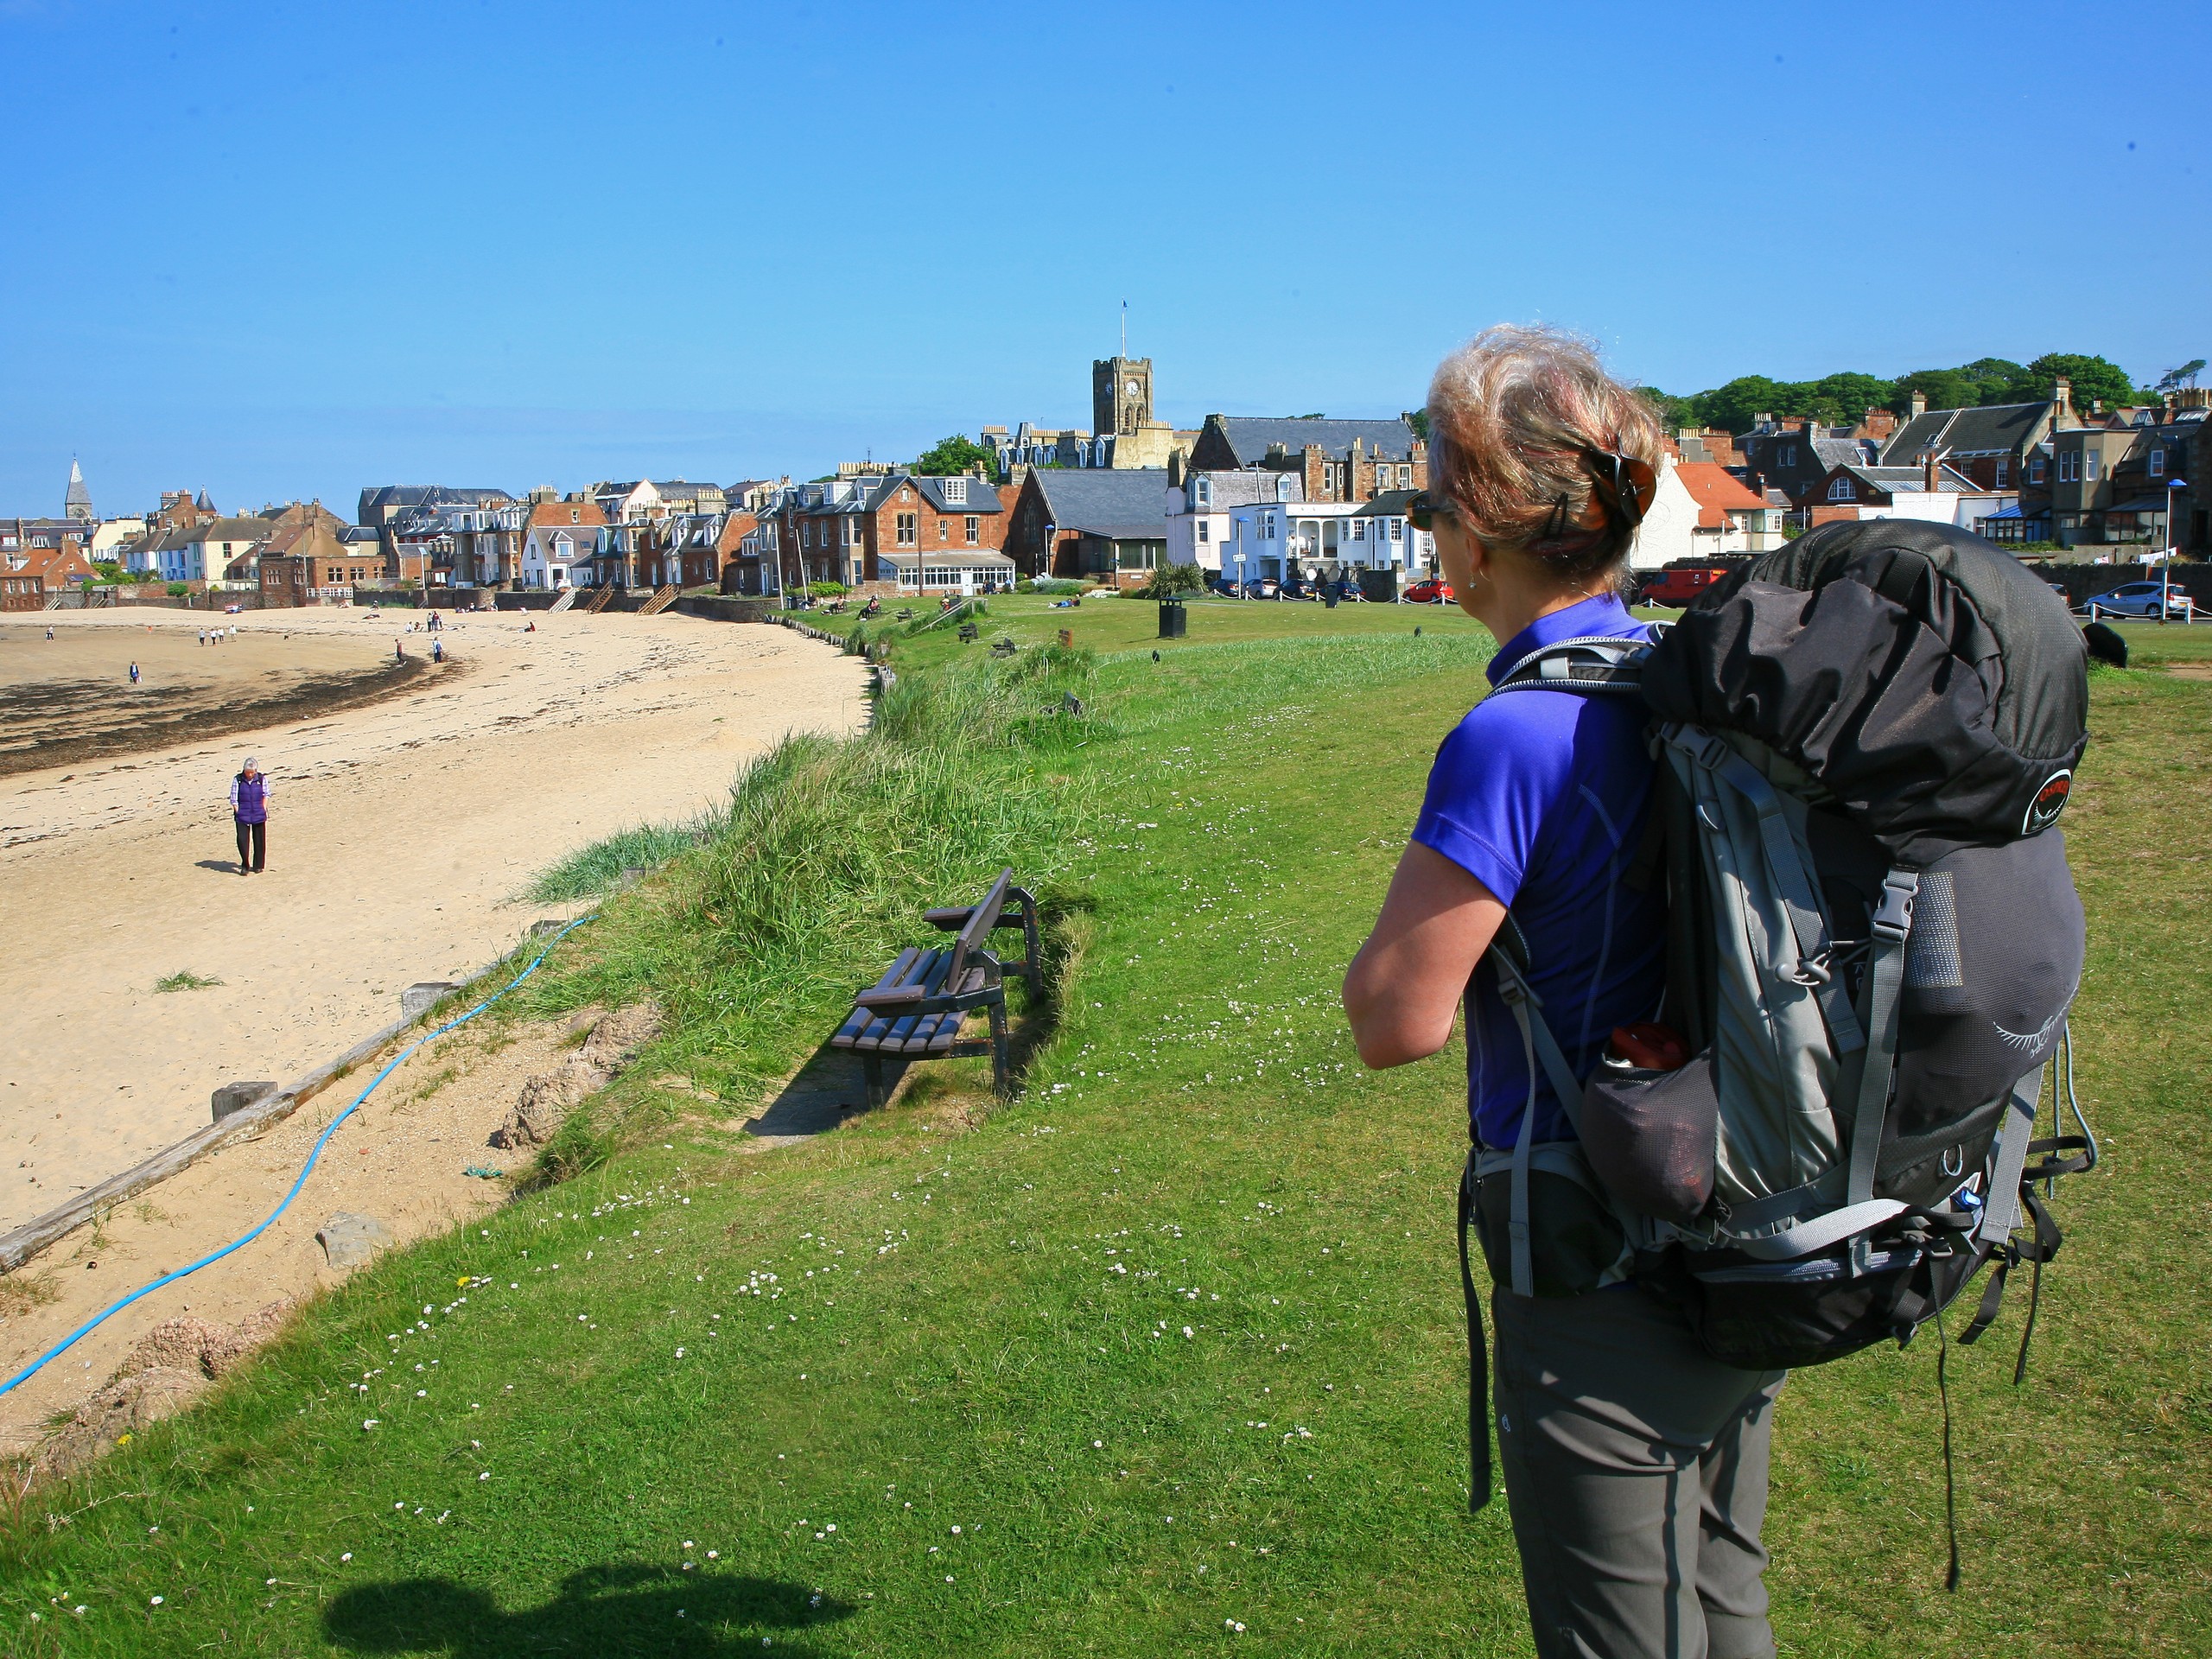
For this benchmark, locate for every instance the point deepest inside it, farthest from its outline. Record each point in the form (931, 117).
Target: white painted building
(551, 552)
(934, 574)
(1324, 538)
(1701, 510)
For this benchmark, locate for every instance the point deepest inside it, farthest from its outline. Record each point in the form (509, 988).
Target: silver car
(2142, 598)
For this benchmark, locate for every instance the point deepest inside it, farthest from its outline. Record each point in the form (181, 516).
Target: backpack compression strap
(1885, 988)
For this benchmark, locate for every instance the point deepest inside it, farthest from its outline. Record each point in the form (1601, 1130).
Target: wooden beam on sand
(43, 1232)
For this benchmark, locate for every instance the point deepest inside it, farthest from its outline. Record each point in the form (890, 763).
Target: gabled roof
(1716, 492)
(1996, 429)
(1890, 480)
(1249, 436)
(1104, 501)
(556, 512)
(1844, 452)
(1252, 487)
(231, 529)
(1390, 504)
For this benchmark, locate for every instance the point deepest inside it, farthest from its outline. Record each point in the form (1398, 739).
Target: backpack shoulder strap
(1595, 663)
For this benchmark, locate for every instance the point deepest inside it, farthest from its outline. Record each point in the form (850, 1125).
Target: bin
(1174, 618)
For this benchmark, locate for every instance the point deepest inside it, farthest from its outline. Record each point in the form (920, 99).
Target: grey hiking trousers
(1635, 1468)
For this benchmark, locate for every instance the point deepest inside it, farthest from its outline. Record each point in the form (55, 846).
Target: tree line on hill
(1845, 397)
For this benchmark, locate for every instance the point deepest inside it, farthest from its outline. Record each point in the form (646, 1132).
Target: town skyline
(715, 280)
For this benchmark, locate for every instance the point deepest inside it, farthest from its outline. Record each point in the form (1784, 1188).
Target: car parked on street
(1434, 591)
(2142, 598)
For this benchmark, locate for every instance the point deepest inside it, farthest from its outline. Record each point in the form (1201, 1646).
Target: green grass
(947, 1341)
(184, 980)
(599, 868)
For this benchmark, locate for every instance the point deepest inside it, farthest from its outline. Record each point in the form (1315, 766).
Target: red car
(1431, 592)
(1680, 587)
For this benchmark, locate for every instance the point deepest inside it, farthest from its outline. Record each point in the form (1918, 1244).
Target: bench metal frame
(915, 1011)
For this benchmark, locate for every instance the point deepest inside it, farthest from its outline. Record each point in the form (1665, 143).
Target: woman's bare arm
(1404, 986)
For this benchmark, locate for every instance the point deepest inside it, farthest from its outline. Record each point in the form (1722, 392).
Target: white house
(1203, 522)
(1701, 510)
(1324, 538)
(550, 552)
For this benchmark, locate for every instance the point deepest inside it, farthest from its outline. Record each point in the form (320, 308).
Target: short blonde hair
(1511, 416)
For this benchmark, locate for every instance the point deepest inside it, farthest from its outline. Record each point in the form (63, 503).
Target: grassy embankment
(985, 1331)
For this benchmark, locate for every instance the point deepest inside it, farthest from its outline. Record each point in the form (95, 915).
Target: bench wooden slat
(980, 922)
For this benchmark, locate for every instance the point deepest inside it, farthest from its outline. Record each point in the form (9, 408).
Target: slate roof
(1997, 430)
(380, 496)
(1893, 478)
(1105, 501)
(1249, 435)
(1844, 452)
(1252, 487)
(1390, 504)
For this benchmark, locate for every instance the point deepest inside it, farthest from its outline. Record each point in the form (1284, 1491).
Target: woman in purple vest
(250, 812)
(1636, 1466)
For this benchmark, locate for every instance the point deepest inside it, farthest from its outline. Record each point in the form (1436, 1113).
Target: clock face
(1133, 389)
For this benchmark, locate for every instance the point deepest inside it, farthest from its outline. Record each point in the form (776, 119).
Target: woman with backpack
(1635, 1465)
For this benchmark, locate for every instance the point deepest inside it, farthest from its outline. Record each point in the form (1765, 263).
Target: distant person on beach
(437, 651)
(249, 813)
(134, 673)
(398, 649)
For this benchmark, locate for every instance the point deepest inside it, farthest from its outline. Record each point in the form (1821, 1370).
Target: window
(1404, 478)
(1840, 490)
(2069, 466)
(1202, 492)
(1397, 530)
(1205, 530)
(2034, 469)
(972, 529)
(2003, 470)
(944, 531)
(2157, 463)
(1359, 530)
(905, 527)
(955, 490)
(2088, 466)
(1789, 454)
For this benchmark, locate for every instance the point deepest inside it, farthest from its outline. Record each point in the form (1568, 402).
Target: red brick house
(841, 530)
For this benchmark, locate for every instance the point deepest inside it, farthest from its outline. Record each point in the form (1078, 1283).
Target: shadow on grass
(602, 1610)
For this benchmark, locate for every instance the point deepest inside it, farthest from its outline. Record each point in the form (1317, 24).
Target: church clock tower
(1121, 395)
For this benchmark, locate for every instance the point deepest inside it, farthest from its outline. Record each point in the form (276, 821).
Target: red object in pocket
(1649, 1045)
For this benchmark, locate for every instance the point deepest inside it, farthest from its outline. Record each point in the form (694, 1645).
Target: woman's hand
(1404, 986)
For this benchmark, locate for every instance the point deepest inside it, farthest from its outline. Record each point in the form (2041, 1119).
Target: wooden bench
(914, 1012)
(968, 630)
(1005, 647)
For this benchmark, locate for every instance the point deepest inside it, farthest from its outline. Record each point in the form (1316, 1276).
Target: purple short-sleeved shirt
(1542, 796)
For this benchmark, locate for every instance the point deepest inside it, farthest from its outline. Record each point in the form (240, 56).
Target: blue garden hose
(307, 1169)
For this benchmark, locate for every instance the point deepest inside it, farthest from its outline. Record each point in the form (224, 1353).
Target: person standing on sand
(134, 673)
(250, 812)
(398, 649)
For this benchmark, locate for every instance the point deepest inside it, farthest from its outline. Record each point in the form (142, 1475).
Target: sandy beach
(404, 825)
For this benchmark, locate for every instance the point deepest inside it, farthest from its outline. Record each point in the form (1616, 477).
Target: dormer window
(955, 491)
(2157, 463)
(1840, 490)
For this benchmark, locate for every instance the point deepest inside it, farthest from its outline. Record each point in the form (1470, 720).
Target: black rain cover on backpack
(1933, 685)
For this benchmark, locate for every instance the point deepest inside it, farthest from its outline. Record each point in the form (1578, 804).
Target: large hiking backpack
(1865, 741)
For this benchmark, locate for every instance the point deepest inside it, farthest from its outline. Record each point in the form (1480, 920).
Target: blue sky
(286, 250)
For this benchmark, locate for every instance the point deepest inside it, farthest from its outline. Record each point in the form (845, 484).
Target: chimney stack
(1930, 462)
(2062, 403)
(1919, 403)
